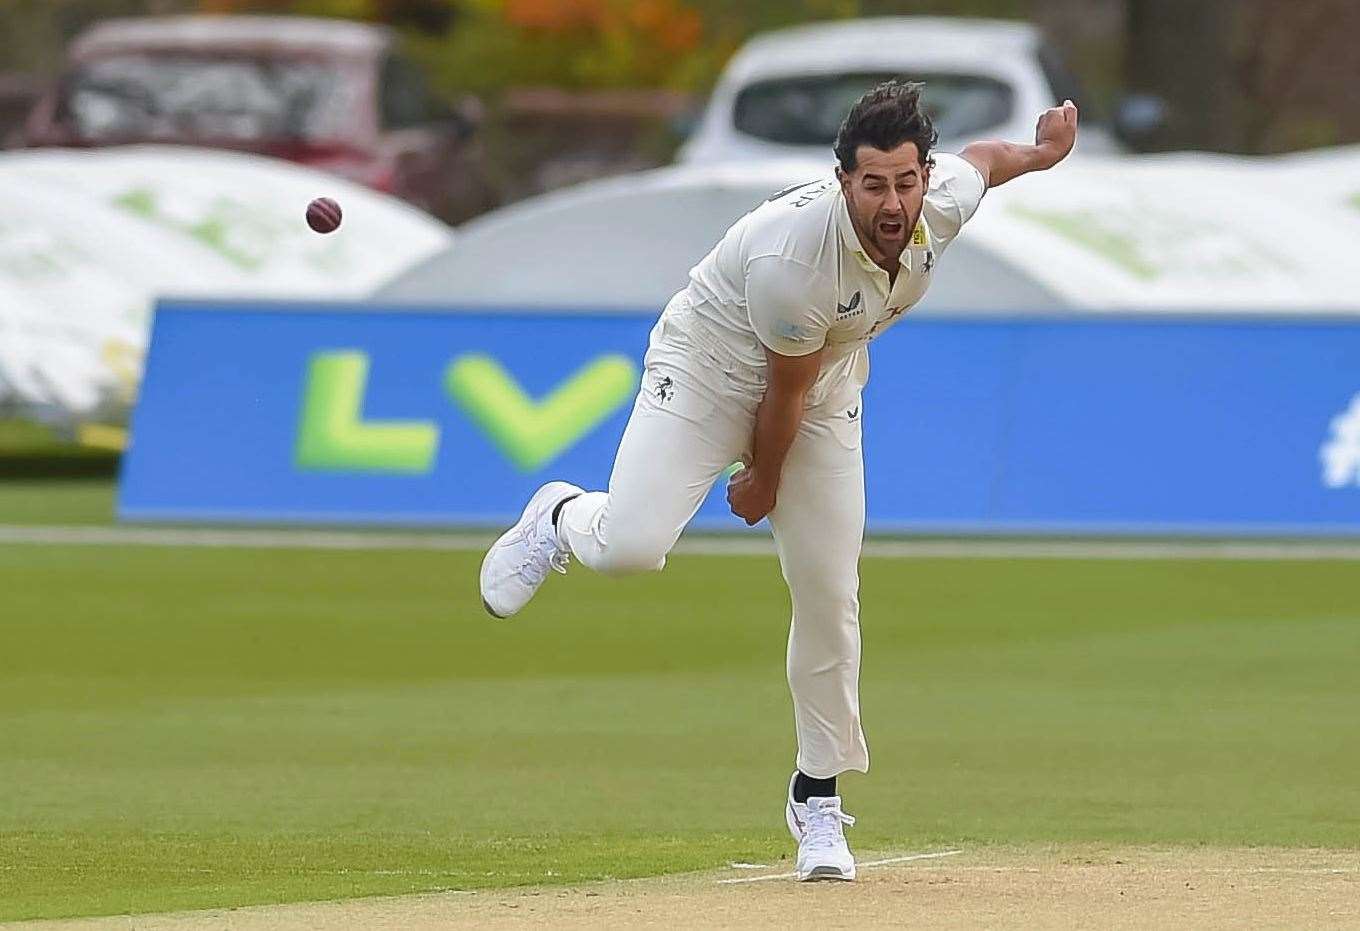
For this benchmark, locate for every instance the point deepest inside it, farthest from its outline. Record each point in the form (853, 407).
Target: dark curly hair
(884, 118)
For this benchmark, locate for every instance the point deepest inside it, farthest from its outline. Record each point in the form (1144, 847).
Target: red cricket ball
(323, 215)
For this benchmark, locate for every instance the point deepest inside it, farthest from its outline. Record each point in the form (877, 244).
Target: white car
(784, 94)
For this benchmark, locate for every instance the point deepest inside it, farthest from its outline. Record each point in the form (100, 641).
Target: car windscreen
(808, 110)
(199, 96)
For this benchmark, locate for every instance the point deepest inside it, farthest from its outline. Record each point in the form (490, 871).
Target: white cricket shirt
(793, 276)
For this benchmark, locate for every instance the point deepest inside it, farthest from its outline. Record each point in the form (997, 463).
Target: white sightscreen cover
(1187, 232)
(90, 239)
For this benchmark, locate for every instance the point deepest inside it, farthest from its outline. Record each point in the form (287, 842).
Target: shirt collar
(920, 237)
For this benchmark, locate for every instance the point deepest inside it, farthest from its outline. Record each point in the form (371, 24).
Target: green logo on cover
(532, 433)
(333, 435)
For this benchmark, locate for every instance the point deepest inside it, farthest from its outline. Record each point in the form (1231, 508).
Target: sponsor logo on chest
(851, 308)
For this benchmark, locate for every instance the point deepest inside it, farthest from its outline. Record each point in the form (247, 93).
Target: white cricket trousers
(692, 419)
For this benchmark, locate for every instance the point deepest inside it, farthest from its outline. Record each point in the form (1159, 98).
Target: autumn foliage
(488, 45)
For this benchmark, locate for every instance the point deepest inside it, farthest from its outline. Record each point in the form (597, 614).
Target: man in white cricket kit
(762, 358)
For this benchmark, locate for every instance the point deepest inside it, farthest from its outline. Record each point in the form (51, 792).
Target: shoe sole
(554, 492)
(826, 874)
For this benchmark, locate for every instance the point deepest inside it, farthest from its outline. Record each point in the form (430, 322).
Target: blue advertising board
(1100, 424)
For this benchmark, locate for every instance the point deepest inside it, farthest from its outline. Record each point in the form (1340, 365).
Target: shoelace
(824, 826)
(544, 554)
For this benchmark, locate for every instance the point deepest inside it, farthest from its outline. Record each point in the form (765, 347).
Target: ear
(843, 178)
(925, 173)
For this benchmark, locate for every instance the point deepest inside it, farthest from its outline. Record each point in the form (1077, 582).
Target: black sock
(558, 510)
(805, 787)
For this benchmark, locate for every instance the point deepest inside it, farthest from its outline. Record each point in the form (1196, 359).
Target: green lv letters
(334, 437)
(530, 434)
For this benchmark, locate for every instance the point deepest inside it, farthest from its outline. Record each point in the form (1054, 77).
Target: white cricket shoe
(795, 813)
(823, 852)
(519, 562)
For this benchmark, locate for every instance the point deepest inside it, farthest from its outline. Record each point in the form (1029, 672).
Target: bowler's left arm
(999, 162)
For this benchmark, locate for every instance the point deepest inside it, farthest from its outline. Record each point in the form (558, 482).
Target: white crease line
(858, 866)
(700, 545)
(910, 856)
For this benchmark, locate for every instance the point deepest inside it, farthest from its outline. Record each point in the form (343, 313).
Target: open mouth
(891, 228)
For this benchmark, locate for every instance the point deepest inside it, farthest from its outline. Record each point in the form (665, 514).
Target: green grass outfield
(44, 480)
(197, 727)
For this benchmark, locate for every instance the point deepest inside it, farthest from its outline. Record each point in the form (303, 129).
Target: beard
(886, 234)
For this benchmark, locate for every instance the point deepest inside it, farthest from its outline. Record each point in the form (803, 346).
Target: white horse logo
(1341, 454)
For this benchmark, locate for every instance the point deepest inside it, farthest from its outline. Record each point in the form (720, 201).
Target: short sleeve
(956, 189)
(781, 299)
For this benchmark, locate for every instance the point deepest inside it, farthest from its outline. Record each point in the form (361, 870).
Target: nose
(893, 204)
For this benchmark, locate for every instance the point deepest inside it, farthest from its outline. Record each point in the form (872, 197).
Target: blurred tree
(568, 43)
(1179, 51)
(1293, 71)
(343, 9)
(488, 45)
(1251, 76)
(1240, 75)
(43, 27)
(428, 17)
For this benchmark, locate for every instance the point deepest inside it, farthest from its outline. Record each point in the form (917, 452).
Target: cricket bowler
(762, 358)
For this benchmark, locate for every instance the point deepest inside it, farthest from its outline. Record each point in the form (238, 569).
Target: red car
(331, 94)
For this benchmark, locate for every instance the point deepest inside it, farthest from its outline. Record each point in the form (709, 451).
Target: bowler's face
(885, 194)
